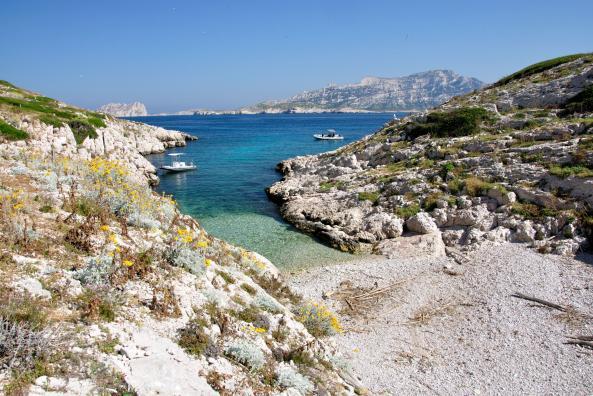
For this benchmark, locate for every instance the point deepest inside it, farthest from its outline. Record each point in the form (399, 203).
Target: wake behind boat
(330, 135)
(178, 166)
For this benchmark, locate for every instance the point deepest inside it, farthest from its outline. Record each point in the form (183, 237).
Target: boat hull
(178, 168)
(320, 137)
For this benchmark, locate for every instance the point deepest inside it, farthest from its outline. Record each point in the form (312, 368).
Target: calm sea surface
(236, 156)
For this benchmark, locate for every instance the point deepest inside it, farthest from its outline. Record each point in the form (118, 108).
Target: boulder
(414, 246)
(421, 223)
(502, 197)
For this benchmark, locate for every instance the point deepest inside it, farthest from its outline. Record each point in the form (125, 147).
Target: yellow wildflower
(127, 263)
(260, 330)
(202, 244)
(104, 228)
(207, 263)
(18, 206)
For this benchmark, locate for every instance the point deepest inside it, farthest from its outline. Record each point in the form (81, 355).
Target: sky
(176, 55)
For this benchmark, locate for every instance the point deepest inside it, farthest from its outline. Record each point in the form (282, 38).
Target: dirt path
(455, 329)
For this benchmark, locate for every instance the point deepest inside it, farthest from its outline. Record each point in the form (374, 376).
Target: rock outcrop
(126, 141)
(135, 109)
(510, 162)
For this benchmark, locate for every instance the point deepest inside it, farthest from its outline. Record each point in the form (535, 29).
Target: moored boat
(330, 135)
(178, 166)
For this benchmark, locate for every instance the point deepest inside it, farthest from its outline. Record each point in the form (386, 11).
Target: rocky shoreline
(511, 162)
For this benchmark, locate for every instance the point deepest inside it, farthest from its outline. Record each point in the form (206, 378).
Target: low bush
(571, 170)
(82, 129)
(459, 122)
(531, 211)
(194, 339)
(372, 196)
(406, 212)
(328, 185)
(11, 133)
(98, 304)
(318, 319)
(476, 186)
(288, 377)
(246, 353)
(430, 202)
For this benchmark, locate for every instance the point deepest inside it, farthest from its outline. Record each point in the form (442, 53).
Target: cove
(236, 157)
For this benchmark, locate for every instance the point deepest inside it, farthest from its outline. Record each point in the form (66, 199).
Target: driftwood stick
(581, 338)
(540, 301)
(587, 344)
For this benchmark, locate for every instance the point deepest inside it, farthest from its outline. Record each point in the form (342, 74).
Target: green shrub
(82, 129)
(96, 122)
(372, 196)
(430, 202)
(571, 170)
(405, 212)
(476, 186)
(11, 133)
(531, 211)
(328, 185)
(52, 120)
(459, 122)
(455, 186)
(538, 68)
(248, 288)
(446, 169)
(193, 338)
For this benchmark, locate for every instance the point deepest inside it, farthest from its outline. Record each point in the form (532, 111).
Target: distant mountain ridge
(135, 109)
(417, 91)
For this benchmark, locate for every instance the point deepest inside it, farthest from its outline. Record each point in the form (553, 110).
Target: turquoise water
(236, 157)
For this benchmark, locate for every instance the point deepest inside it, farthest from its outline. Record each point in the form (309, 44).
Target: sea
(236, 156)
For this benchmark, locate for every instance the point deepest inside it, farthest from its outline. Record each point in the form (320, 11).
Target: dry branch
(540, 301)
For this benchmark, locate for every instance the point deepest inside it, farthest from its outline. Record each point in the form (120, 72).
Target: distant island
(415, 92)
(135, 109)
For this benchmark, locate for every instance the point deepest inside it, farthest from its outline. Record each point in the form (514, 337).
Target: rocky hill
(106, 288)
(135, 109)
(414, 92)
(510, 162)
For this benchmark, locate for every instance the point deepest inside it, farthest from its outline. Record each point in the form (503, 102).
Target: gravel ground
(455, 329)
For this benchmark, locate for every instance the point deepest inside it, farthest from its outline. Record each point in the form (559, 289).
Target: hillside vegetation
(106, 288)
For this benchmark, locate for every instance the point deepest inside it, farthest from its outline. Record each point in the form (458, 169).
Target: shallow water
(236, 157)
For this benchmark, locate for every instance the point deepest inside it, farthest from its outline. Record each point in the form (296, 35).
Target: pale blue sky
(175, 55)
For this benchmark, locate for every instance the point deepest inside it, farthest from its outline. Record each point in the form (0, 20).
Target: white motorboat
(329, 135)
(177, 165)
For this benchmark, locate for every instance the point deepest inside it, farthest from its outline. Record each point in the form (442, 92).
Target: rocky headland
(135, 109)
(510, 162)
(106, 288)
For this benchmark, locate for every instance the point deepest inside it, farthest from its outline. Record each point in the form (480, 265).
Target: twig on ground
(540, 301)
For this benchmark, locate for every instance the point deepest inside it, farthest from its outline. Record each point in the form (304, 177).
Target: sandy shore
(447, 328)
